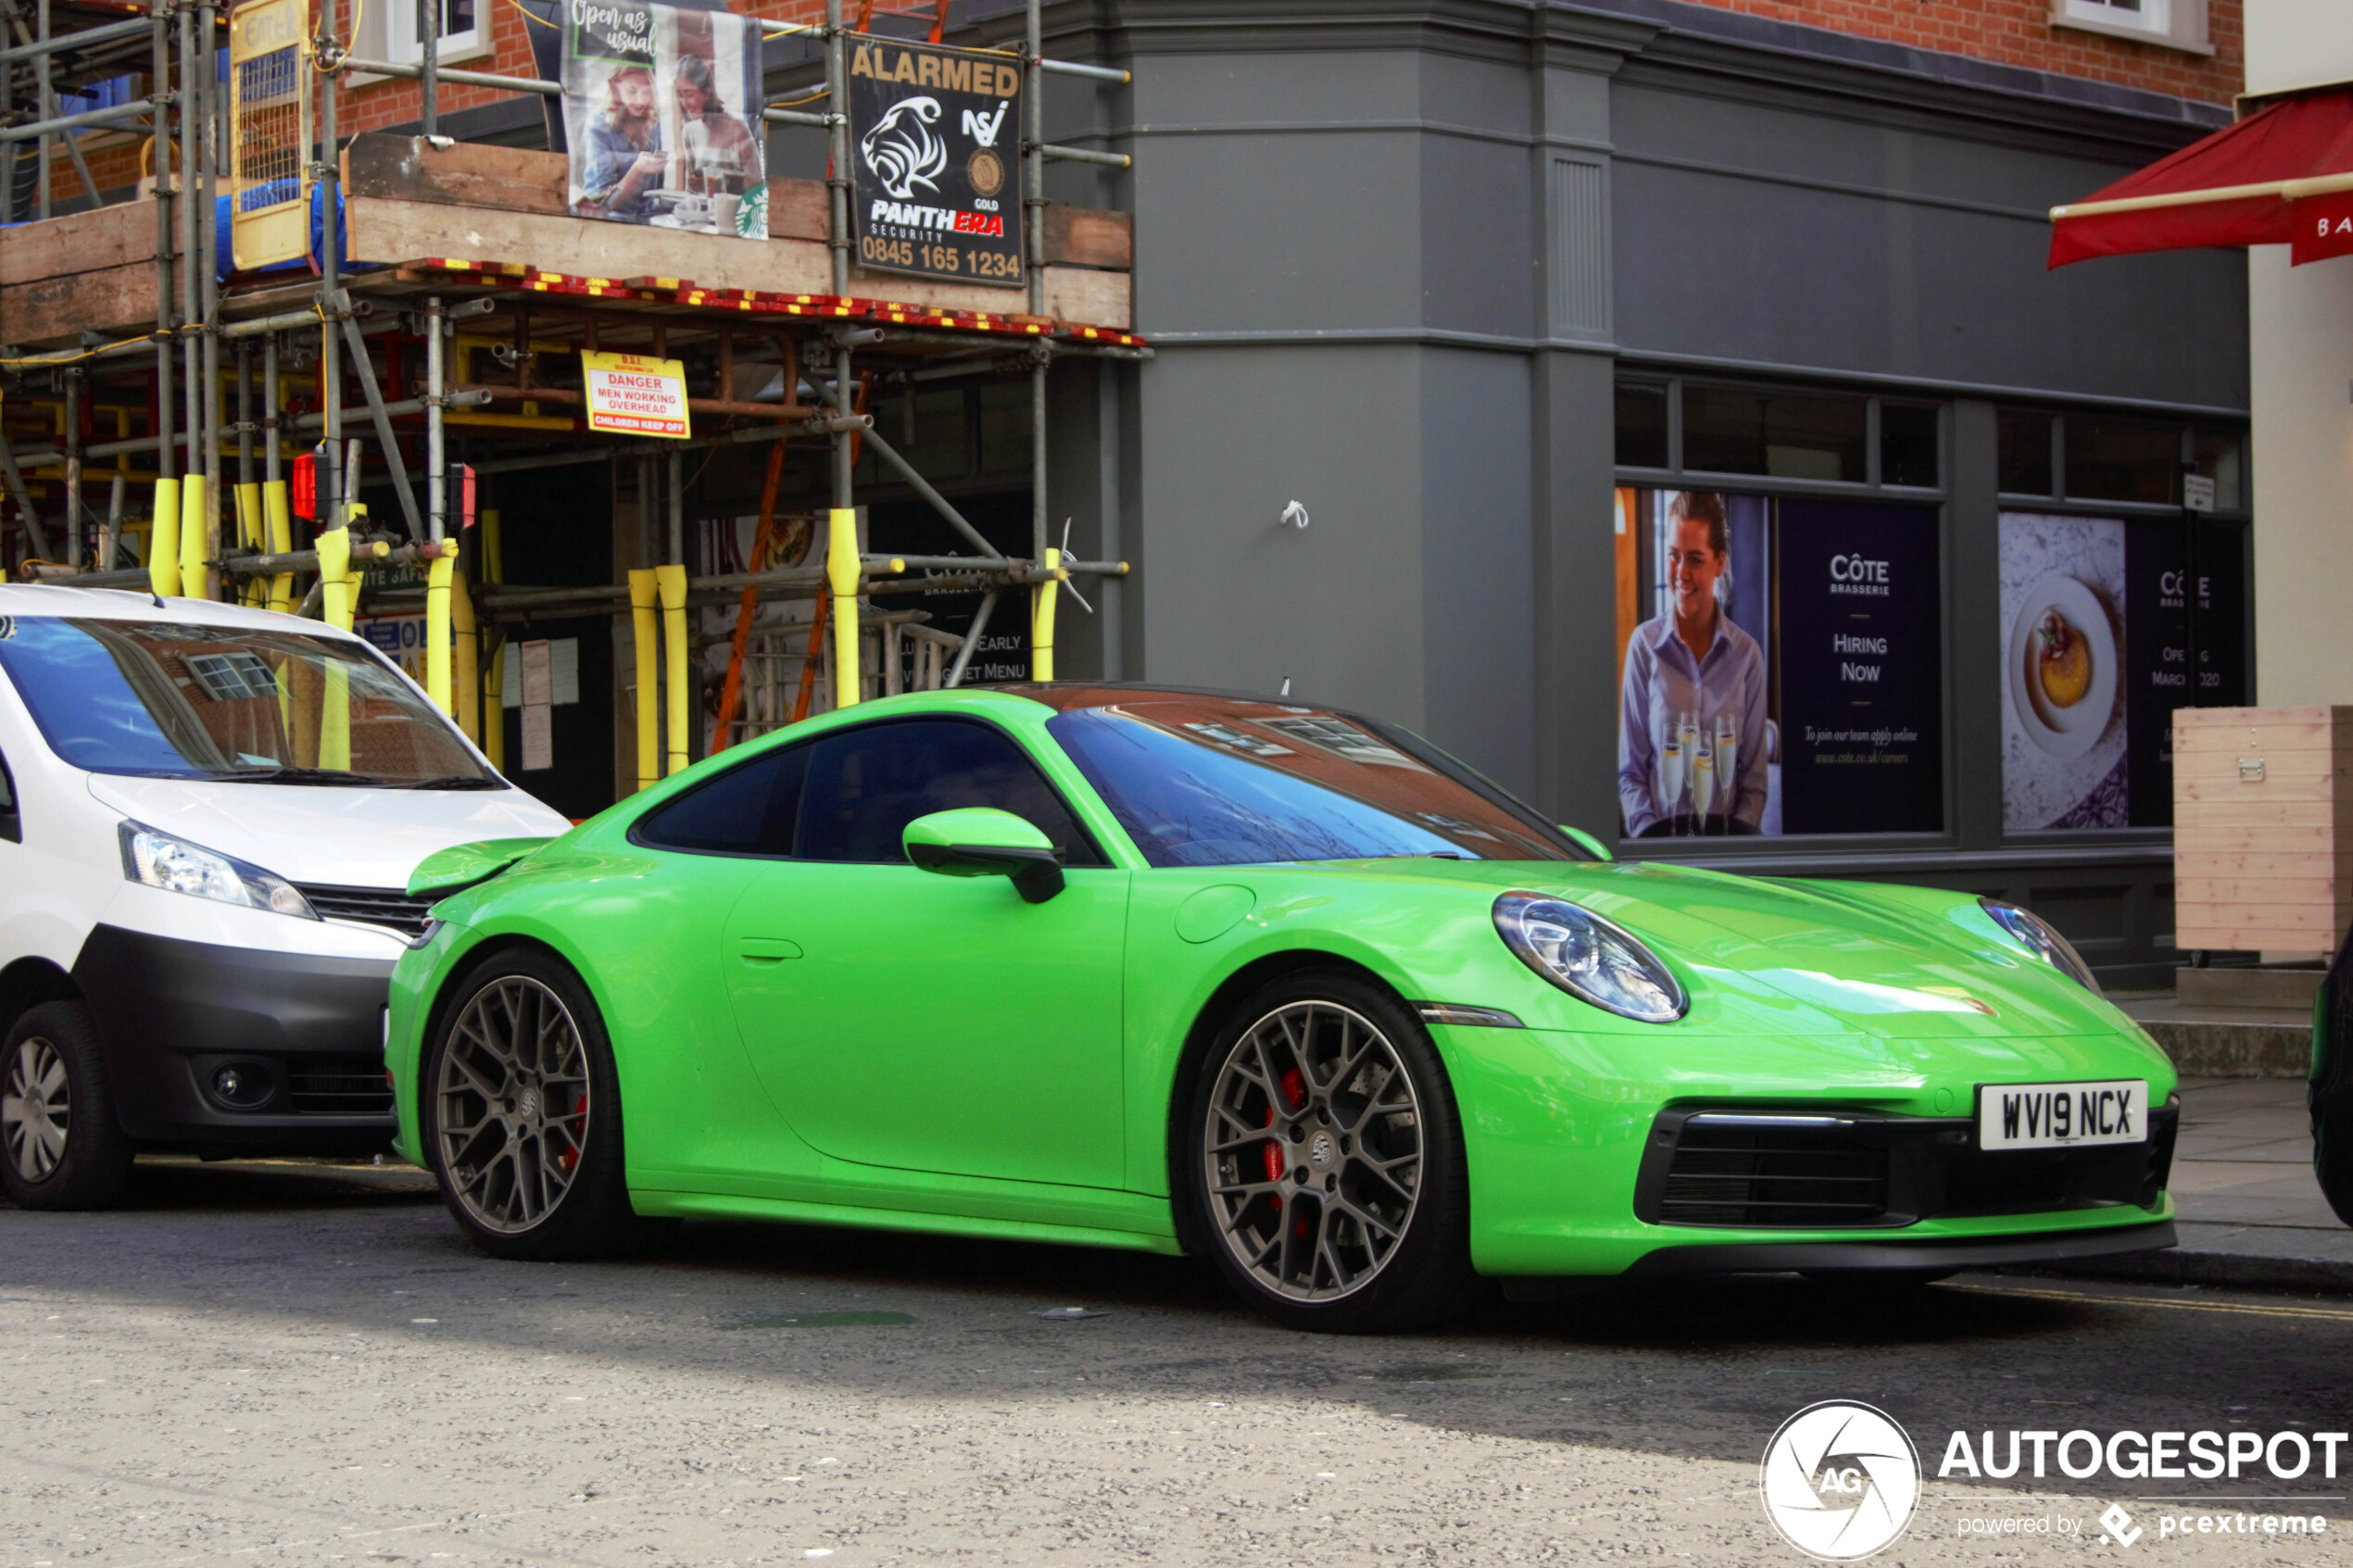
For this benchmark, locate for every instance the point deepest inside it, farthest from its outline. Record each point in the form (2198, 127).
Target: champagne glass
(1687, 732)
(1727, 760)
(1703, 786)
(1670, 775)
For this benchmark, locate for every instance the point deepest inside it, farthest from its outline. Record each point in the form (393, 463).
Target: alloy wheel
(512, 1094)
(36, 1109)
(1313, 1150)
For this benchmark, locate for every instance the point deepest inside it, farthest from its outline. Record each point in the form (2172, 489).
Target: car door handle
(766, 949)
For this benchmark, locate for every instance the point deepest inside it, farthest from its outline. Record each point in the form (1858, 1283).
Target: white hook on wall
(1296, 515)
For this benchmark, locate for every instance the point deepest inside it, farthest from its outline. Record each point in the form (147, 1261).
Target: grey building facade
(1458, 276)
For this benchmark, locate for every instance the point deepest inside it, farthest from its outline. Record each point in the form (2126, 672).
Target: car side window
(748, 809)
(11, 824)
(866, 784)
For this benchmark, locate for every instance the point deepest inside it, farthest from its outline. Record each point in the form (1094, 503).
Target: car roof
(1064, 696)
(131, 603)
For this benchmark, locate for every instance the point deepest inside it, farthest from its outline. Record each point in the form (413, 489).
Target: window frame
(2171, 24)
(1678, 475)
(385, 39)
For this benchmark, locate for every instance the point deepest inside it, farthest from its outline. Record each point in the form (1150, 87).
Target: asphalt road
(266, 1364)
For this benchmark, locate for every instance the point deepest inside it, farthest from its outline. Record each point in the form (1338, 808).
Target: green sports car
(1273, 983)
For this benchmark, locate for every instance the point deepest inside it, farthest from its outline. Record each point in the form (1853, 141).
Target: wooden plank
(796, 210)
(2276, 787)
(2286, 892)
(463, 174)
(81, 242)
(1089, 236)
(2196, 839)
(54, 311)
(2239, 810)
(2255, 939)
(2201, 861)
(385, 230)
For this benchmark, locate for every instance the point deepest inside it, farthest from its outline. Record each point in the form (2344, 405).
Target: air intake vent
(388, 907)
(1734, 1172)
(338, 1086)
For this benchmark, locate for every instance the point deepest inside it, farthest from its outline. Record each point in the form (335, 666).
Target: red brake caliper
(1294, 1092)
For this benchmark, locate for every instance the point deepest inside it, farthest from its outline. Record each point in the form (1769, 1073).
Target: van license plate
(2062, 1115)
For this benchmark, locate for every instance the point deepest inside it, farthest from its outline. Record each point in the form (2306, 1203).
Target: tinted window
(1906, 444)
(1785, 434)
(2025, 438)
(745, 810)
(2118, 460)
(10, 828)
(866, 784)
(1641, 425)
(1213, 782)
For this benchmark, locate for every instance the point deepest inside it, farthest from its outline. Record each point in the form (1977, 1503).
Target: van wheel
(60, 1146)
(522, 1116)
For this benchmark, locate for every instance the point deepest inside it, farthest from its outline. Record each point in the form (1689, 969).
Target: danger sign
(629, 395)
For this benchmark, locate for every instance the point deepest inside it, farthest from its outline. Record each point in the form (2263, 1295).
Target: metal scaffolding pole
(837, 150)
(270, 408)
(167, 199)
(331, 496)
(45, 96)
(429, 66)
(436, 468)
(75, 388)
(208, 149)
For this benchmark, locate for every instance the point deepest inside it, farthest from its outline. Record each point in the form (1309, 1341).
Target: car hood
(324, 835)
(1798, 956)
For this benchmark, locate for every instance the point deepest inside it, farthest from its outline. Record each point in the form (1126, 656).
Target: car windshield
(165, 699)
(1220, 781)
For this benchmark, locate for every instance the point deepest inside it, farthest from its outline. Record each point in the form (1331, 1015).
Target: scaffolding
(340, 366)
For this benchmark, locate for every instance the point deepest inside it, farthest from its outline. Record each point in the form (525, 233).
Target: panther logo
(901, 150)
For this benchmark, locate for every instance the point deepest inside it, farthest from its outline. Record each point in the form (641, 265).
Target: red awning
(2282, 176)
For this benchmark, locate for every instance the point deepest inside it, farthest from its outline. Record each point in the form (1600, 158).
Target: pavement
(2249, 1213)
(282, 1366)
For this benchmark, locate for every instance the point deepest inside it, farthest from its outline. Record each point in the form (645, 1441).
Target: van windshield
(164, 700)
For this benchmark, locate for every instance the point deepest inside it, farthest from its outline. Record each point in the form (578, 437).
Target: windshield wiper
(451, 781)
(300, 776)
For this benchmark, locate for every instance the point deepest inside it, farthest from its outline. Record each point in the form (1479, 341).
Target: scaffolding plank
(113, 300)
(464, 174)
(81, 242)
(1090, 236)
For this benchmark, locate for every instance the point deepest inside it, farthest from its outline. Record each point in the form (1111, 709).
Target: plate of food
(2063, 666)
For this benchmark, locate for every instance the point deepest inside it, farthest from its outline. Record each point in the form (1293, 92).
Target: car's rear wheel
(60, 1144)
(1325, 1160)
(522, 1115)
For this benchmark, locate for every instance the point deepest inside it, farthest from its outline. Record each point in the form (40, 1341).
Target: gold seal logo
(987, 171)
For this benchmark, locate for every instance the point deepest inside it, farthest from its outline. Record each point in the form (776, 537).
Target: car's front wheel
(63, 1147)
(522, 1115)
(1325, 1160)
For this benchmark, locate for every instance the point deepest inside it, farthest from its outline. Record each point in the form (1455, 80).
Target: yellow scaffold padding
(334, 578)
(279, 517)
(1041, 620)
(672, 580)
(192, 537)
(465, 676)
(437, 575)
(163, 540)
(641, 615)
(253, 535)
(841, 575)
(334, 604)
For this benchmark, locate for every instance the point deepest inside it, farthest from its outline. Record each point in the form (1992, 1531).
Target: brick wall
(2019, 32)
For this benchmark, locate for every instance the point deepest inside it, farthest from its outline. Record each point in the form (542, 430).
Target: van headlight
(2041, 938)
(1589, 957)
(177, 866)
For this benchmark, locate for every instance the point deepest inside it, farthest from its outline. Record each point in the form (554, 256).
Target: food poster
(661, 115)
(1817, 704)
(2063, 616)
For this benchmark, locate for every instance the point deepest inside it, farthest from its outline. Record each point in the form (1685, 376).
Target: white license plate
(2062, 1115)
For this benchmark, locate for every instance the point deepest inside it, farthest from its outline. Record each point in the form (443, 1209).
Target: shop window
(2024, 437)
(1004, 427)
(1907, 445)
(1641, 425)
(2122, 461)
(1727, 430)
(2221, 457)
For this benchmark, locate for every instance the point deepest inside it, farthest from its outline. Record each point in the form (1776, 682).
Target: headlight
(1589, 957)
(2039, 937)
(176, 866)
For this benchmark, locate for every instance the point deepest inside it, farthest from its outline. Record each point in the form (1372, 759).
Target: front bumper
(304, 1033)
(1904, 1257)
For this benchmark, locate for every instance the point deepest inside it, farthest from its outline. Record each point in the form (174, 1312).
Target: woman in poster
(1694, 682)
(624, 153)
(722, 157)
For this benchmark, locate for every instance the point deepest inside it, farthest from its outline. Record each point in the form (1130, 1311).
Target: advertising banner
(1787, 678)
(662, 111)
(936, 171)
(2095, 658)
(630, 395)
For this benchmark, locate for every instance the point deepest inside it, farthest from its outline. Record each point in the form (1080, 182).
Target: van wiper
(451, 781)
(301, 777)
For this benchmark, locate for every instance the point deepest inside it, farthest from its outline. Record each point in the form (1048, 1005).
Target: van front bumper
(217, 1048)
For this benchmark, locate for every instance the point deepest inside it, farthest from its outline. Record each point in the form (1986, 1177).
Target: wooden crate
(2262, 828)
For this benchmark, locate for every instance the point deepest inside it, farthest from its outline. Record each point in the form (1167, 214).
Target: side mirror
(1588, 843)
(983, 841)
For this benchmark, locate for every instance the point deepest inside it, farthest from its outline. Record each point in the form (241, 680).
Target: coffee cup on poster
(723, 211)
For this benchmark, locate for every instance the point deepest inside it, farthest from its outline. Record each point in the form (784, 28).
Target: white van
(207, 819)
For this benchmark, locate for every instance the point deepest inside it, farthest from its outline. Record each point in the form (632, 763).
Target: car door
(916, 1022)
